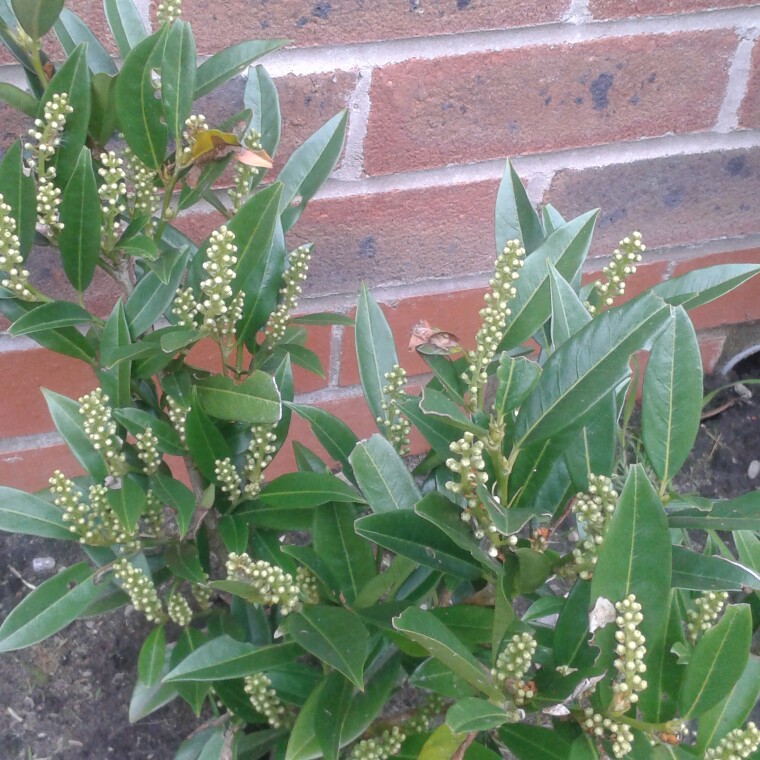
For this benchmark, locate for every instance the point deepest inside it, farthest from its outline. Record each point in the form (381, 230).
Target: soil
(67, 698)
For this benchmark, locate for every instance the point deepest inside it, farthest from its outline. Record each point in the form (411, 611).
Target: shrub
(535, 584)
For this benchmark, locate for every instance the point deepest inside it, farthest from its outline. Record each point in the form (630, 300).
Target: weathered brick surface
(318, 22)
(625, 8)
(749, 111)
(29, 469)
(673, 200)
(488, 105)
(13, 124)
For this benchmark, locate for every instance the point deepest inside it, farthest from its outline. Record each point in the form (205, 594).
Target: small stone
(43, 564)
(754, 469)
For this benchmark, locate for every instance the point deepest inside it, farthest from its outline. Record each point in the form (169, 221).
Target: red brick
(740, 305)
(627, 8)
(711, 348)
(749, 111)
(488, 105)
(30, 469)
(23, 410)
(317, 22)
(673, 200)
(13, 124)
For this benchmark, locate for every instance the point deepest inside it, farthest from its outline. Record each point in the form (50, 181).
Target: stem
(39, 69)
(168, 192)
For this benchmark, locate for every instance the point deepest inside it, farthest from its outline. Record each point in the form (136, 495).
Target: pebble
(754, 469)
(43, 564)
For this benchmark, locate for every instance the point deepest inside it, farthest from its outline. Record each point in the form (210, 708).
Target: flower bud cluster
(177, 414)
(739, 743)
(593, 510)
(264, 699)
(380, 747)
(142, 199)
(513, 663)
(153, 517)
(220, 309)
(201, 594)
(623, 264)
(619, 734)
(179, 610)
(243, 175)
(185, 307)
(261, 449)
(707, 609)
(292, 278)
(396, 426)
(45, 138)
(168, 11)
(493, 317)
(424, 716)
(146, 444)
(194, 125)
(307, 585)
(228, 478)
(100, 428)
(271, 583)
(630, 650)
(141, 590)
(112, 192)
(11, 261)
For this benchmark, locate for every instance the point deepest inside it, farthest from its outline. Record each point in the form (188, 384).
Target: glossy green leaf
(309, 166)
(740, 513)
(331, 713)
(229, 62)
(307, 489)
(434, 676)
(717, 663)
(593, 450)
(700, 286)
(138, 421)
(52, 315)
(587, 368)
(256, 400)
(127, 503)
(116, 381)
(406, 533)
(470, 623)
(178, 77)
(334, 635)
(70, 424)
(194, 692)
(568, 312)
(437, 431)
(184, 562)
(474, 714)
(141, 113)
(431, 634)
(304, 358)
(79, 240)
(223, 658)
(375, 352)
(72, 78)
(528, 742)
(24, 513)
(176, 495)
(261, 97)
(36, 17)
(204, 442)
(571, 632)
(583, 748)
(19, 192)
(516, 377)
(125, 23)
(19, 99)
(49, 608)
(323, 318)
(151, 658)
(434, 403)
(382, 476)
(671, 396)
(516, 219)
(700, 572)
(448, 374)
(147, 699)
(72, 31)
(441, 743)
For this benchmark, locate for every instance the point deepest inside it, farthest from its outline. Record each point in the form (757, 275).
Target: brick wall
(649, 109)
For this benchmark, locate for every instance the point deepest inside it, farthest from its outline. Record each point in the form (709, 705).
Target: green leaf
(72, 31)
(19, 193)
(441, 743)
(261, 97)
(733, 710)
(178, 496)
(717, 663)
(127, 503)
(406, 533)
(323, 318)
(307, 489)
(434, 676)
(382, 476)
(470, 623)
(255, 401)
(70, 424)
(671, 396)
(701, 286)
(334, 635)
(178, 77)
(528, 742)
(348, 558)
(583, 748)
(474, 714)
(571, 633)
(437, 431)
(116, 382)
(700, 572)
(125, 23)
(448, 374)
(516, 219)
(303, 357)
(72, 78)
(433, 403)
(204, 442)
(593, 450)
(568, 312)
(223, 658)
(566, 248)
(36, 17)
(19, 99)
(194, 693)
(434, 637)
(138, 421)
(49, 608)
(740, 513)
(141, 113)
(516, 377)
(586, 368)
(24, 513)
(229, 62)
(151, 658)
(331, 712)
(52, 315)
(183, 560)
(147, 699)
(79, 240)
(309, 166)
(375, 352)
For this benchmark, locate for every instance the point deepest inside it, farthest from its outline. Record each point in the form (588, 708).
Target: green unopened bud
(707, 609)
(739, 743)
(630, 650)
(513, 663)
(380, 747)
(264, 699)
(601, 727)
(142, 592)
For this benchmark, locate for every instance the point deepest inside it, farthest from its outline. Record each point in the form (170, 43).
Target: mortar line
(738, 80)
(578, 12)
(143, 8)
(29, 442)
(359, 109)
(336, 342)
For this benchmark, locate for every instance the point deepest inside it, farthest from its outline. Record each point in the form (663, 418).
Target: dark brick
(627, 8)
